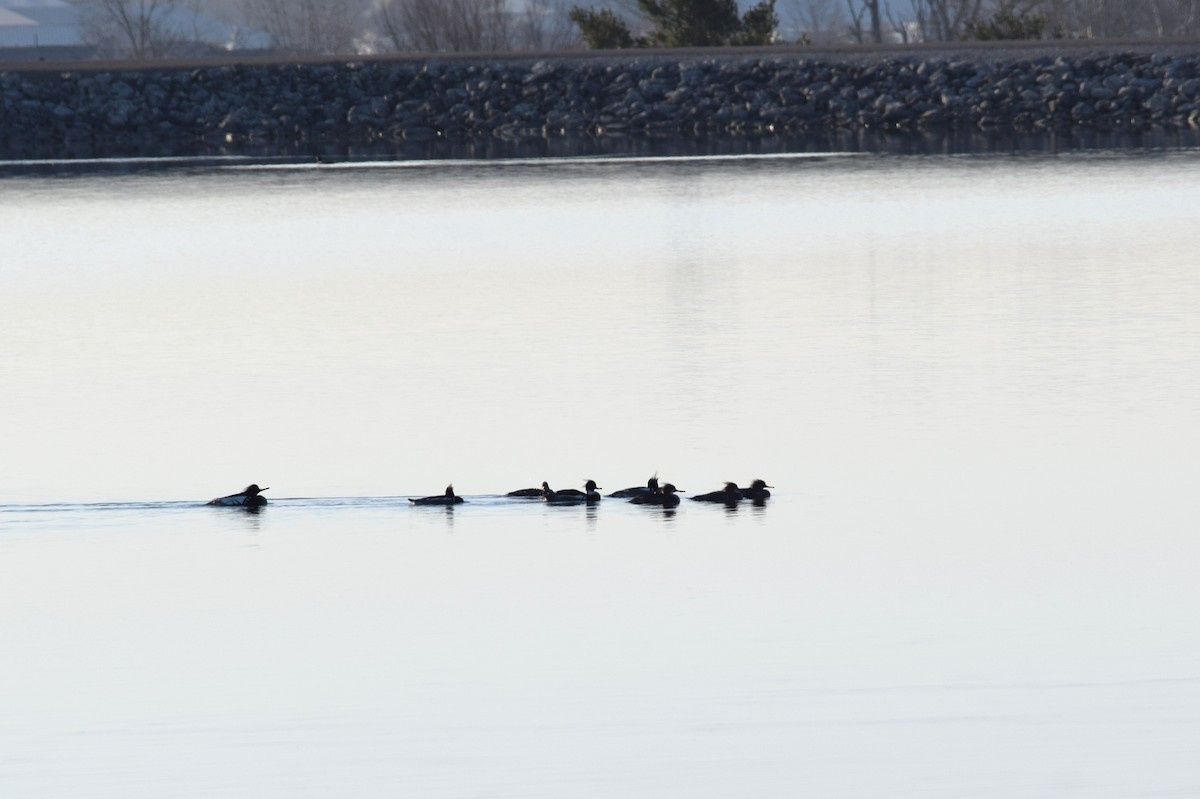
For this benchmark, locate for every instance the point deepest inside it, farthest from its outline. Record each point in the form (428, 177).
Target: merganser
(651, 487)
(531, 492)
(757, 491)
(573, 496)
(665, 496)
(590, 487)
(449, 498)
(731, 495)
(248, 498)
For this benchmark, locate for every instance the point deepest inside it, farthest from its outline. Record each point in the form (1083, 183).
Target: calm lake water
(972, 381)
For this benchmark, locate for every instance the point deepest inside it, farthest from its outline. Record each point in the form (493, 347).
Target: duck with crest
(665, 496)
(730, 495)
(249, 497)
(449, 498)
(651, 487)
(757, 491)
(531, 493)
(573, 496)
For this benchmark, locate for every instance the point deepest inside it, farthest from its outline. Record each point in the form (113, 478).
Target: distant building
(54, 29)
(31, 29)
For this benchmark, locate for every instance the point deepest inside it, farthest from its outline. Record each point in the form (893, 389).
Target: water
(971, 380)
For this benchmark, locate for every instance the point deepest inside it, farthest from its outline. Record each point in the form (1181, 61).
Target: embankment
(227, 107)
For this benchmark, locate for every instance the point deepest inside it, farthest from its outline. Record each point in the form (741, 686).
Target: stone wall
(291, 105)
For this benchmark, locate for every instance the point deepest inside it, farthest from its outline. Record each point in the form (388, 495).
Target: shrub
(1007, 25)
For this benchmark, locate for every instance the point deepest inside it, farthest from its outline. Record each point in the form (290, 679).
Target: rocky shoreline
(231, 107)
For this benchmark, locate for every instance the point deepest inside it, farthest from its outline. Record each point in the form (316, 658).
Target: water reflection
(244, 519)
(34, 156)
(433, 511)
(920, 358)
(252, 527)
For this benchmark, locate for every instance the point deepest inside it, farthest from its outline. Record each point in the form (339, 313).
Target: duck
(573, 496)
(249, 497)
(532, 493)
(730, 495)
(589, 488)
(665, 496)
(651, 487)
(449, 498)
(757, 491)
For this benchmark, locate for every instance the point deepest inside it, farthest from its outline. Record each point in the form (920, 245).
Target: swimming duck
(589, 487)
(449, 498)
(665, 496)
(250, 497)
(757, 491)
(730, 495)
(573, 496)
(531, 492)
(651, 487)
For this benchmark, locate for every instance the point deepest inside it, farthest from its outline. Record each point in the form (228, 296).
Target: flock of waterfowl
(664, 495)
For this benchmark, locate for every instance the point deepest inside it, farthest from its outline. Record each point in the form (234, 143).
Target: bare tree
(1110, 18)
(546, 25)
(1018, 7)
(1185, 18)
(948, 20)
(945, 20)
(135, 28)
(446, 25)
(870, 10)
(387, 26)
(324, 27)
(905, 29)
(855, 27)
(821, 20)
